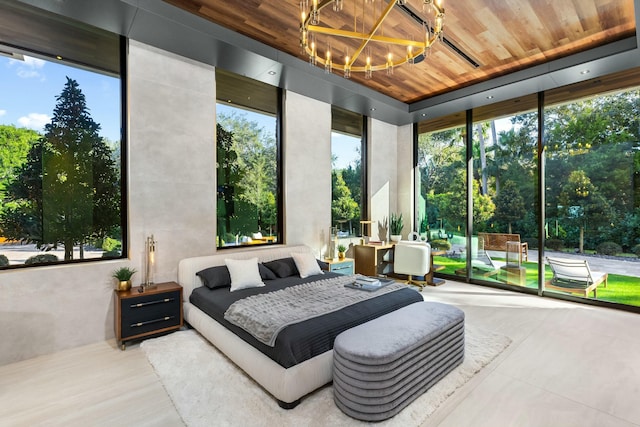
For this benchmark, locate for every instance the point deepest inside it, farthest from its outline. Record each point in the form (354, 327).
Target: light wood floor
(569, 365)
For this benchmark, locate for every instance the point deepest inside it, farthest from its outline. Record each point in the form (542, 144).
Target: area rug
(209, 390)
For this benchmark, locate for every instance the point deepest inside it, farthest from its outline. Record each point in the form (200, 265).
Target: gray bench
(381, 366)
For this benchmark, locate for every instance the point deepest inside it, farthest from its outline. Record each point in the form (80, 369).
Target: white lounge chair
(574, 276)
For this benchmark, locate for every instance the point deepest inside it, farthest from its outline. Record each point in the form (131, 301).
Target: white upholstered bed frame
(287, 385)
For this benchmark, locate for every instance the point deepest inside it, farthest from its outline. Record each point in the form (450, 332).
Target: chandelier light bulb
(337, 5)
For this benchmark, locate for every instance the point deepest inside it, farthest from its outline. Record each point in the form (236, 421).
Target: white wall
(307, 186)
(171, 193)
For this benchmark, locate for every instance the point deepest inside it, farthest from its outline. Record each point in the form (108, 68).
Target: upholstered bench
(381, 366)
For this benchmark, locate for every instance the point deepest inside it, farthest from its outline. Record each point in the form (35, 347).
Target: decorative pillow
(283, 267)
(265, 273)
(306, 264)
(215, 277)
(244, 273)
(323, 265)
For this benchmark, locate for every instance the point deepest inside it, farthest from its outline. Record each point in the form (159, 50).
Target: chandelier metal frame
(416, 49)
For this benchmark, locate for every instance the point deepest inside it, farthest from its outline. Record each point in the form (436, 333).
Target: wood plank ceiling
(500, 36)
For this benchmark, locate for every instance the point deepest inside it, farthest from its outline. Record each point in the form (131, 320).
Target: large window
(593, 187)
(60, 146)
(247, 158)
(487, 200)
(347, 171)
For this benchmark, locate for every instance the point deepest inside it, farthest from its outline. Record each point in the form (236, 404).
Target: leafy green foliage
(509, 204)
(124, 273)
(609, 248)
(343, 207)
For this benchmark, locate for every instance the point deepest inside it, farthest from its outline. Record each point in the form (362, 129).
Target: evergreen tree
(68, 190)
(343, 207)
(509, 204)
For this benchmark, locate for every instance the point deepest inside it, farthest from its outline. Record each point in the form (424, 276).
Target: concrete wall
(172, 196)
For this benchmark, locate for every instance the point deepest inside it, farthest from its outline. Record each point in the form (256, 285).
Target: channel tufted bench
(381, 366)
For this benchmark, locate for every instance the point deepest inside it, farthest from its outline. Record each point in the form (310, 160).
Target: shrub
(609, 248)
(111, 245)
(440, 244)
(41, 259)
(555, 244)
(4, 261)
(111, 254)
(636, 250)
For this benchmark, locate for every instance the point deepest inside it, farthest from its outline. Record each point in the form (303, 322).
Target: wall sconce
(150, 261)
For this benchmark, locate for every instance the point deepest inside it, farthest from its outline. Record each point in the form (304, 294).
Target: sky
(28, 91)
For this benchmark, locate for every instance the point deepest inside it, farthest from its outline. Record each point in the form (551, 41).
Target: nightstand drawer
(147, 313)
(342, 267)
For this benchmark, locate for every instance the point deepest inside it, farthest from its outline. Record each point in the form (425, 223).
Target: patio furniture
(574, 276)
(498, 242)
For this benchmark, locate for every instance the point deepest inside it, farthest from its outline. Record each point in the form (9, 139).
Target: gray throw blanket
(265, 315)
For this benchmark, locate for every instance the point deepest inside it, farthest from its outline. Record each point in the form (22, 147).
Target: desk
(373, 260)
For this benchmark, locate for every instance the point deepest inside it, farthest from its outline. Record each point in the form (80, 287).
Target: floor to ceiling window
(504, 193)
(441, 207)
(593, 192)
(590, 177)
(248, 162)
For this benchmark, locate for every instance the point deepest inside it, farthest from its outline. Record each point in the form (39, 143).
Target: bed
(287, 377)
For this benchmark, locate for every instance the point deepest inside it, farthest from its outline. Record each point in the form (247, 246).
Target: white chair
(574, 276)
(412, 259)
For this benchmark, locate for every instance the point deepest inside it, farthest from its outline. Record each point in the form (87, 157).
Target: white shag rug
(209, 390)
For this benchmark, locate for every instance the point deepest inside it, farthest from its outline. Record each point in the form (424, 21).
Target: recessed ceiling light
(58, 57)
(490, 97)
(228, 100)
(271, 73)
(372, 109)
(424, 114)
(585, 72)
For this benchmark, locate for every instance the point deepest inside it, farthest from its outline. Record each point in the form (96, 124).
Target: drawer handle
(158, 301)
(148, 322)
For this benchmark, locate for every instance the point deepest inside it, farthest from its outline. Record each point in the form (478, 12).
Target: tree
(14, 147)
(581, 203)
(343, 207)
(68, 189)
(509, 204)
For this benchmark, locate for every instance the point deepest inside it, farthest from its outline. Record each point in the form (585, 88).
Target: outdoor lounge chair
(481, 262)
(574, 276)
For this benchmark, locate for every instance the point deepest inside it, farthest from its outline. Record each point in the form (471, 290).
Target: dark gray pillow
(283, 267)
(265, 273)
(323, 265)
(215, 277)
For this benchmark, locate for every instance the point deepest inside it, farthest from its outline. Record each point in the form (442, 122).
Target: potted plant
(341, 250)
(395, 227)
(123, 275)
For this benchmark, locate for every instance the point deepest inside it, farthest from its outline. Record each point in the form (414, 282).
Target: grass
(620, 289)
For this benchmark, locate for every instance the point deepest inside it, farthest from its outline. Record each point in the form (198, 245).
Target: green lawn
(620, 289)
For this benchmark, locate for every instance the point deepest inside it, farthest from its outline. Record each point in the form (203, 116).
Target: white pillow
(306, 264)
(244, 273)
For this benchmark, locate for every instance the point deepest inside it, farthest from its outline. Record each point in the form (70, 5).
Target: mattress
(305, 340)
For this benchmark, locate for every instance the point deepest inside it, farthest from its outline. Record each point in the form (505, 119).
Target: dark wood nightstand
(154, 311)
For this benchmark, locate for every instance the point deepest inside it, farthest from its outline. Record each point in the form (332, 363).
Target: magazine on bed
(369, 284)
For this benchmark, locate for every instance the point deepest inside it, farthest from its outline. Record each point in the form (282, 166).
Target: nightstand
(154, 311)
(342, 266)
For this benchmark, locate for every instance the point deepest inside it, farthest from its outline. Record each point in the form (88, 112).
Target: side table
(141, 314)
(342, 266)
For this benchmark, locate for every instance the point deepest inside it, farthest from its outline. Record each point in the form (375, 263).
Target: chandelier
(360, 59)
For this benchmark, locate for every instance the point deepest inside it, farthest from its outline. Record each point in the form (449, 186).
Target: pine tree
(68, 190)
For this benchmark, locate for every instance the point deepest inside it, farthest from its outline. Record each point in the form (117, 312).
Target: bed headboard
(188, 267)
